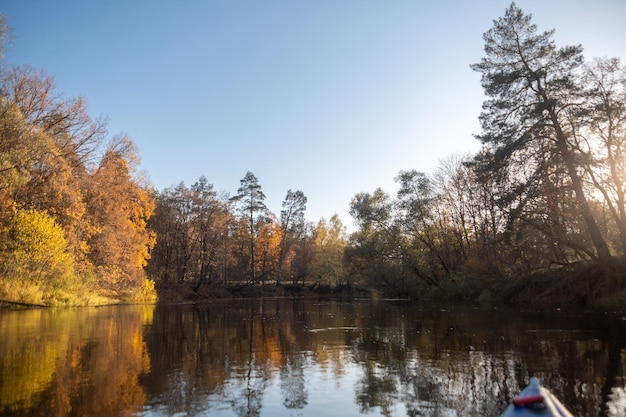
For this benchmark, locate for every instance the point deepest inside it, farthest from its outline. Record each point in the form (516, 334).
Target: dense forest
(539, 211)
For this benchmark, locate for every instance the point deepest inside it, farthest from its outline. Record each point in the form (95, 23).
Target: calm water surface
(305, 358)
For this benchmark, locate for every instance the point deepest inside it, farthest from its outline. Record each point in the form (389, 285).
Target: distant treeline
(546, 191)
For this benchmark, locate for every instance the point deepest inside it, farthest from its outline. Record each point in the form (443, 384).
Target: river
(305, 358)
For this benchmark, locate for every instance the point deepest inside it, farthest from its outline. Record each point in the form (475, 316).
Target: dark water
(305, 358)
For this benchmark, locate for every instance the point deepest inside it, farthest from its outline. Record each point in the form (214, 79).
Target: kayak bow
(535, 400)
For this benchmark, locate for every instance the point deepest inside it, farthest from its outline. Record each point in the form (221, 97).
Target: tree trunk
(602, 249)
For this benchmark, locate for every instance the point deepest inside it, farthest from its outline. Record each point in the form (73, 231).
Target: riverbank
(187, 292)
(584, 284)
(589, 284)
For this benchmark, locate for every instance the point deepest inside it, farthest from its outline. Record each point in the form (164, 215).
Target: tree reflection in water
(389, 358)
(74, 362)
(293, 384)
(304, 358)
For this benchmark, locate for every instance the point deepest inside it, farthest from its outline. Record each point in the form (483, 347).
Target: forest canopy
(546, 192)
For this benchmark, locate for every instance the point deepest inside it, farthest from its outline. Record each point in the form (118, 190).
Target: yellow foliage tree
(268, 248)
(38, 267)
(330, 243)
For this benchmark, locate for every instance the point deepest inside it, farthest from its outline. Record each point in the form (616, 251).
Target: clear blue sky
(331, 97)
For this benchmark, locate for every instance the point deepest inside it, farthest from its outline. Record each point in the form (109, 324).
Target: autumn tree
(192, 227)
(211, 219)
(327, 266)
(240, 250)
(169, 223)
(119, 207)
(49, 143)
(292, 224)
(251, 201)
(37, 266)
(18, 145)
(49, 152)
(267, 247)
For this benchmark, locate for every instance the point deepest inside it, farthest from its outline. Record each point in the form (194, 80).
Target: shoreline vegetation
(584, 285)
(537, 216)
(581, 285)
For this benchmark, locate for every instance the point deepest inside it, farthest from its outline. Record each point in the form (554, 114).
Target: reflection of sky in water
(337, 387)
(327, 390)
(617, 402)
